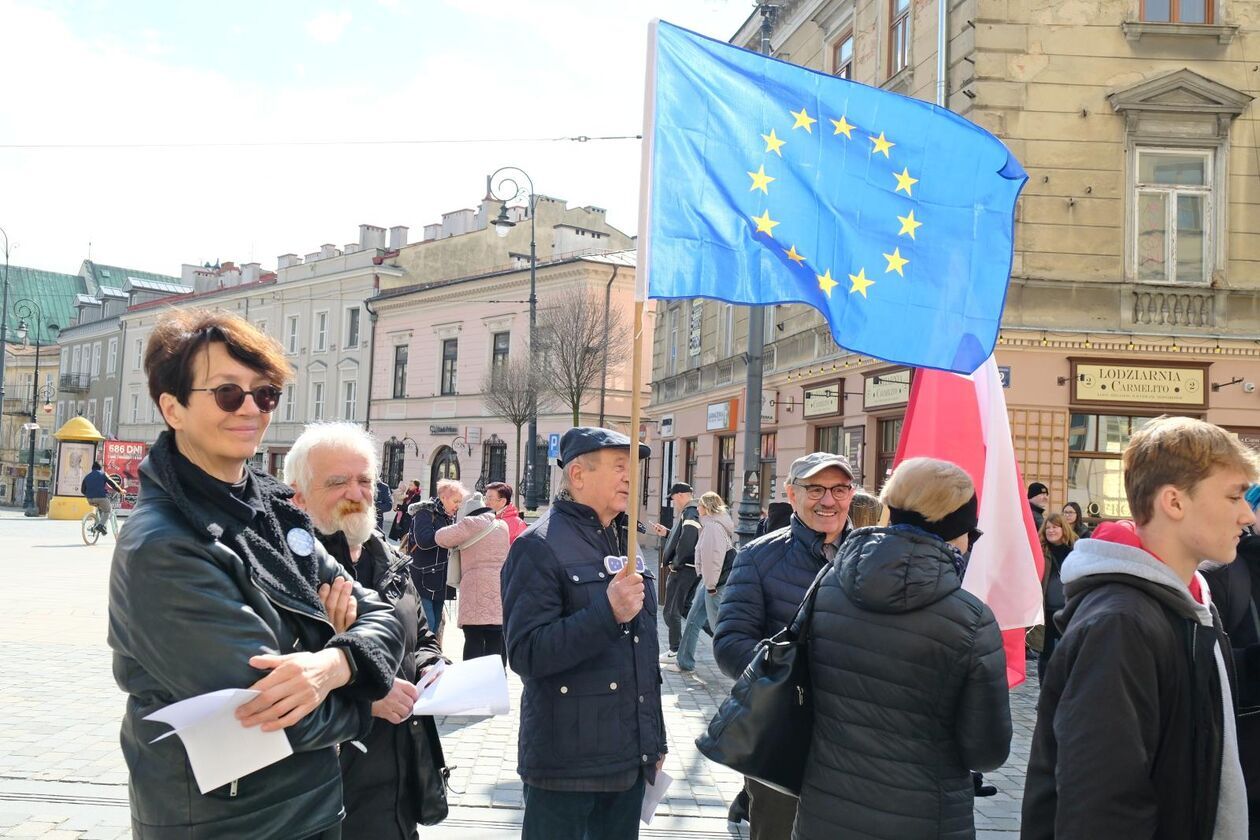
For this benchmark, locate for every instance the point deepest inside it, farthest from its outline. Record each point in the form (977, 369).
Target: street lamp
(32, 317)
(4, 310)
(505, 186)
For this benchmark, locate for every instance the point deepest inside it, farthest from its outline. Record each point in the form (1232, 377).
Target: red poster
(121, 459)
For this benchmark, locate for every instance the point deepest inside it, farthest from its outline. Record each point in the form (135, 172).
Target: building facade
(313, 305)
(437, 345)
(1133, 286)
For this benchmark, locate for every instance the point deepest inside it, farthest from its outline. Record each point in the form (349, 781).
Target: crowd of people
(327, 596)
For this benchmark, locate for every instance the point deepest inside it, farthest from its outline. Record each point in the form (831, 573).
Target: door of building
(445, 465)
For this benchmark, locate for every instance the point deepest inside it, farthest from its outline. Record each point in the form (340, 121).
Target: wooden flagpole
(636, 399)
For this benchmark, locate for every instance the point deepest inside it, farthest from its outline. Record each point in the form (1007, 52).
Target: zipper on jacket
(290, 609)
(234, 788)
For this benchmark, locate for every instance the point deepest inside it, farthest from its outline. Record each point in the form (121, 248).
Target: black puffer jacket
(909, 691)
(767, 584)
(382, 800)
(428, 559)
(193, 594)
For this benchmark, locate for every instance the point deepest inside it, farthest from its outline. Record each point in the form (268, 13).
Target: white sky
(242, 71)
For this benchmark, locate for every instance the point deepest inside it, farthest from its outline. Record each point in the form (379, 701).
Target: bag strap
(806, 608)
(480, 536)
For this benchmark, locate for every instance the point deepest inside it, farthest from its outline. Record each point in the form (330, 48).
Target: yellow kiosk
(76, 450)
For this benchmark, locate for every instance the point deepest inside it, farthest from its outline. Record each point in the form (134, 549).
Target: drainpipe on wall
(376, 287)
(603, 383)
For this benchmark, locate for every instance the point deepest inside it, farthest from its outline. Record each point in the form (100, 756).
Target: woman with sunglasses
(218, 582)
(908, 672)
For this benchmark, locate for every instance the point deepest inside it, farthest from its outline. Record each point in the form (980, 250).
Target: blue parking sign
(553, 445)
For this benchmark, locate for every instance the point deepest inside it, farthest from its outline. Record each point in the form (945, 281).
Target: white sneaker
(669, 657)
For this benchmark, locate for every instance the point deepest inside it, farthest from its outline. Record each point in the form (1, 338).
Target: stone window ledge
(1134, 30)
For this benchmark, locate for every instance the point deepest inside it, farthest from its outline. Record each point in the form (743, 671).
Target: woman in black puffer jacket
(908, 672)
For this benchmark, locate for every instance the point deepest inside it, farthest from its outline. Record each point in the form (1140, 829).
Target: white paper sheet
(475, 688)
(219, 748)
(653, 794)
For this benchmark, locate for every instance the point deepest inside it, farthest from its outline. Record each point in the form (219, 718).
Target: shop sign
(886, 389)
(1120, 382)
(1004, 374)
(444, 430)
(770, 407)
(667, 426)
(821, 401)
(720, 416)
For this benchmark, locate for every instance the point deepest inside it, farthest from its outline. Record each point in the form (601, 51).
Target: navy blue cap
(582, 439)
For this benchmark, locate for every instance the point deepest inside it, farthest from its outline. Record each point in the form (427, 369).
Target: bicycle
(91, 525)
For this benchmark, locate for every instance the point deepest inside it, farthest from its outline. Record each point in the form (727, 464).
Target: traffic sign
(553, 445)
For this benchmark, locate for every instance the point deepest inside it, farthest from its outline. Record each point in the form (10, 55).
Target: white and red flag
(963, 419)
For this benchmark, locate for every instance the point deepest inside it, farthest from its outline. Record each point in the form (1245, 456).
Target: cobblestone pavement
(62, 775)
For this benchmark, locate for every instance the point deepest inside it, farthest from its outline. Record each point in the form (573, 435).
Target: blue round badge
(300, 542)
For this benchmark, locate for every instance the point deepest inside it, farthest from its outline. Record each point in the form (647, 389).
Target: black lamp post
(4, 310)
(32, 317)
(508, 188)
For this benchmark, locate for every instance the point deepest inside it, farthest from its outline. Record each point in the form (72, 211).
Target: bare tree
(580, 339)
(508, 392)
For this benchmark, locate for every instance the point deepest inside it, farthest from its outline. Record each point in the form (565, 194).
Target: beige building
(22, 385)
(1133, 287)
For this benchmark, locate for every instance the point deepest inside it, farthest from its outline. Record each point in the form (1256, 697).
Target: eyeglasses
(816, 491)
(973, 537)
(230, 397)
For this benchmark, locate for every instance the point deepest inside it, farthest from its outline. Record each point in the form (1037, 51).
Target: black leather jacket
(185, 615)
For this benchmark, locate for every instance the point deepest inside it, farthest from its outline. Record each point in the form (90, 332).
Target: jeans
(484, 640)
(701, 608)
(432, 612)
(562, 815)
(677, 587)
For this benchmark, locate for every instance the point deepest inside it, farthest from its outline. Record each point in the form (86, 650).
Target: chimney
(288, 260)
(432, 232)
(397, 237)
(326, 251)
(250, 272)
(312, 257)
(352, 248)
(371, 236)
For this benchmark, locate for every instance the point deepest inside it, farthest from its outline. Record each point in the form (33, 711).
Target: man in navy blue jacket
(580, 627)
(768, 584)
(95, 488)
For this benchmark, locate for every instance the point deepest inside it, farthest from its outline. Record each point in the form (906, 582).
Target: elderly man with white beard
(395, 779)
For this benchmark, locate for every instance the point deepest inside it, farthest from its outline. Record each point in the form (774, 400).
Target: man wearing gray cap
(580, 626)
(766, 587)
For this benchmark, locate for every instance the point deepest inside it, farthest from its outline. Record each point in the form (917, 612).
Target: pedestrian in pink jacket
(483, 543)
(499, 498)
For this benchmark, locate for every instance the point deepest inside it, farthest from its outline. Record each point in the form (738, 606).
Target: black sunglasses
(230, 397)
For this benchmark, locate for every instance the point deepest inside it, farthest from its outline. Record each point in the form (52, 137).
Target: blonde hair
(864, 509)
(1180, 451)
(930, 487)
(713, 503)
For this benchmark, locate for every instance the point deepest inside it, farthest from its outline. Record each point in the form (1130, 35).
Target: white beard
(356, 527)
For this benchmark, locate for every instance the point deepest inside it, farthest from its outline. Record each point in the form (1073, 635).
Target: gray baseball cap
(814, 463)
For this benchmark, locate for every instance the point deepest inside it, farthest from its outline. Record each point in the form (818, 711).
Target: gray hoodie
(717, 535)
(1098, 557)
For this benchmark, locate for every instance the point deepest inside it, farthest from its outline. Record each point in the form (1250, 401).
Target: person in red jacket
(499, 499)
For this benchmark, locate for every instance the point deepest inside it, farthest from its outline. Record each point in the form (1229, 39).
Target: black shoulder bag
(764, 728)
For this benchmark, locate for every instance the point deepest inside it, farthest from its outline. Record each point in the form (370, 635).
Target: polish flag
(963, 419)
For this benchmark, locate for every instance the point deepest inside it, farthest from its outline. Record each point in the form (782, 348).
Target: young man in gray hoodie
(1135, 732)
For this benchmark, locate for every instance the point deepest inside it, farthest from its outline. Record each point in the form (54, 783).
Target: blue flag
(771, 183)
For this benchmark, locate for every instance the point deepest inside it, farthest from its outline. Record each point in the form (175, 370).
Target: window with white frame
(898, 36)
(262, 325)
(65, 362)
(726, 330)
(290, 401)
(91, 414)
(842, 56)
(107, 416)
(317, 401)
(96, 360)
(1173, 212)
(291, 340)
(111, 358)
(350, 401)
(671, 340)
(61, 414)
(136, 359)
(352, 328)
(135, 408)
(76, 362)
(320, 335)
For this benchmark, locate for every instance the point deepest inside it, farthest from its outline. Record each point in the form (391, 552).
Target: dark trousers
(678, 587)
(484, 640)
(562, 815)
(333, 833)
(770, 813)
(1047, 648)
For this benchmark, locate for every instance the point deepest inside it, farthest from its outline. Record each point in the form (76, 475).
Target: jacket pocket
(586, 714)
(583, 583)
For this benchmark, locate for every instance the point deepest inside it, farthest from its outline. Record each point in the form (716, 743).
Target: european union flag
(771, 183)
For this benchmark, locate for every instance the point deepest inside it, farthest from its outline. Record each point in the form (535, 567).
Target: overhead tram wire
(262, 144)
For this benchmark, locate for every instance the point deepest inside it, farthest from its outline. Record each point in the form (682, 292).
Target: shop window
(690, 458)
(726, 467)
(769, 458)
(888, 433)
(494, 460)
(1095, 478)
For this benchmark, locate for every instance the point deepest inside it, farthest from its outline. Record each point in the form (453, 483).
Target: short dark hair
(180, 333)
(96, 465)
(504, 491)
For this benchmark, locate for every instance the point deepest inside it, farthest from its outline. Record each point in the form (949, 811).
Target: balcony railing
(75, 382)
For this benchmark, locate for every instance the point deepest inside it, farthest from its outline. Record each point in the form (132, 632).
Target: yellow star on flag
(860, 282)
(826, 283)
(881, 145)
(843, 127)
(760, 180)
(908, 224)
(803, 120)
(765, 224)
(904, 181)
(773, 143)
(794, 256)
(895, 262)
